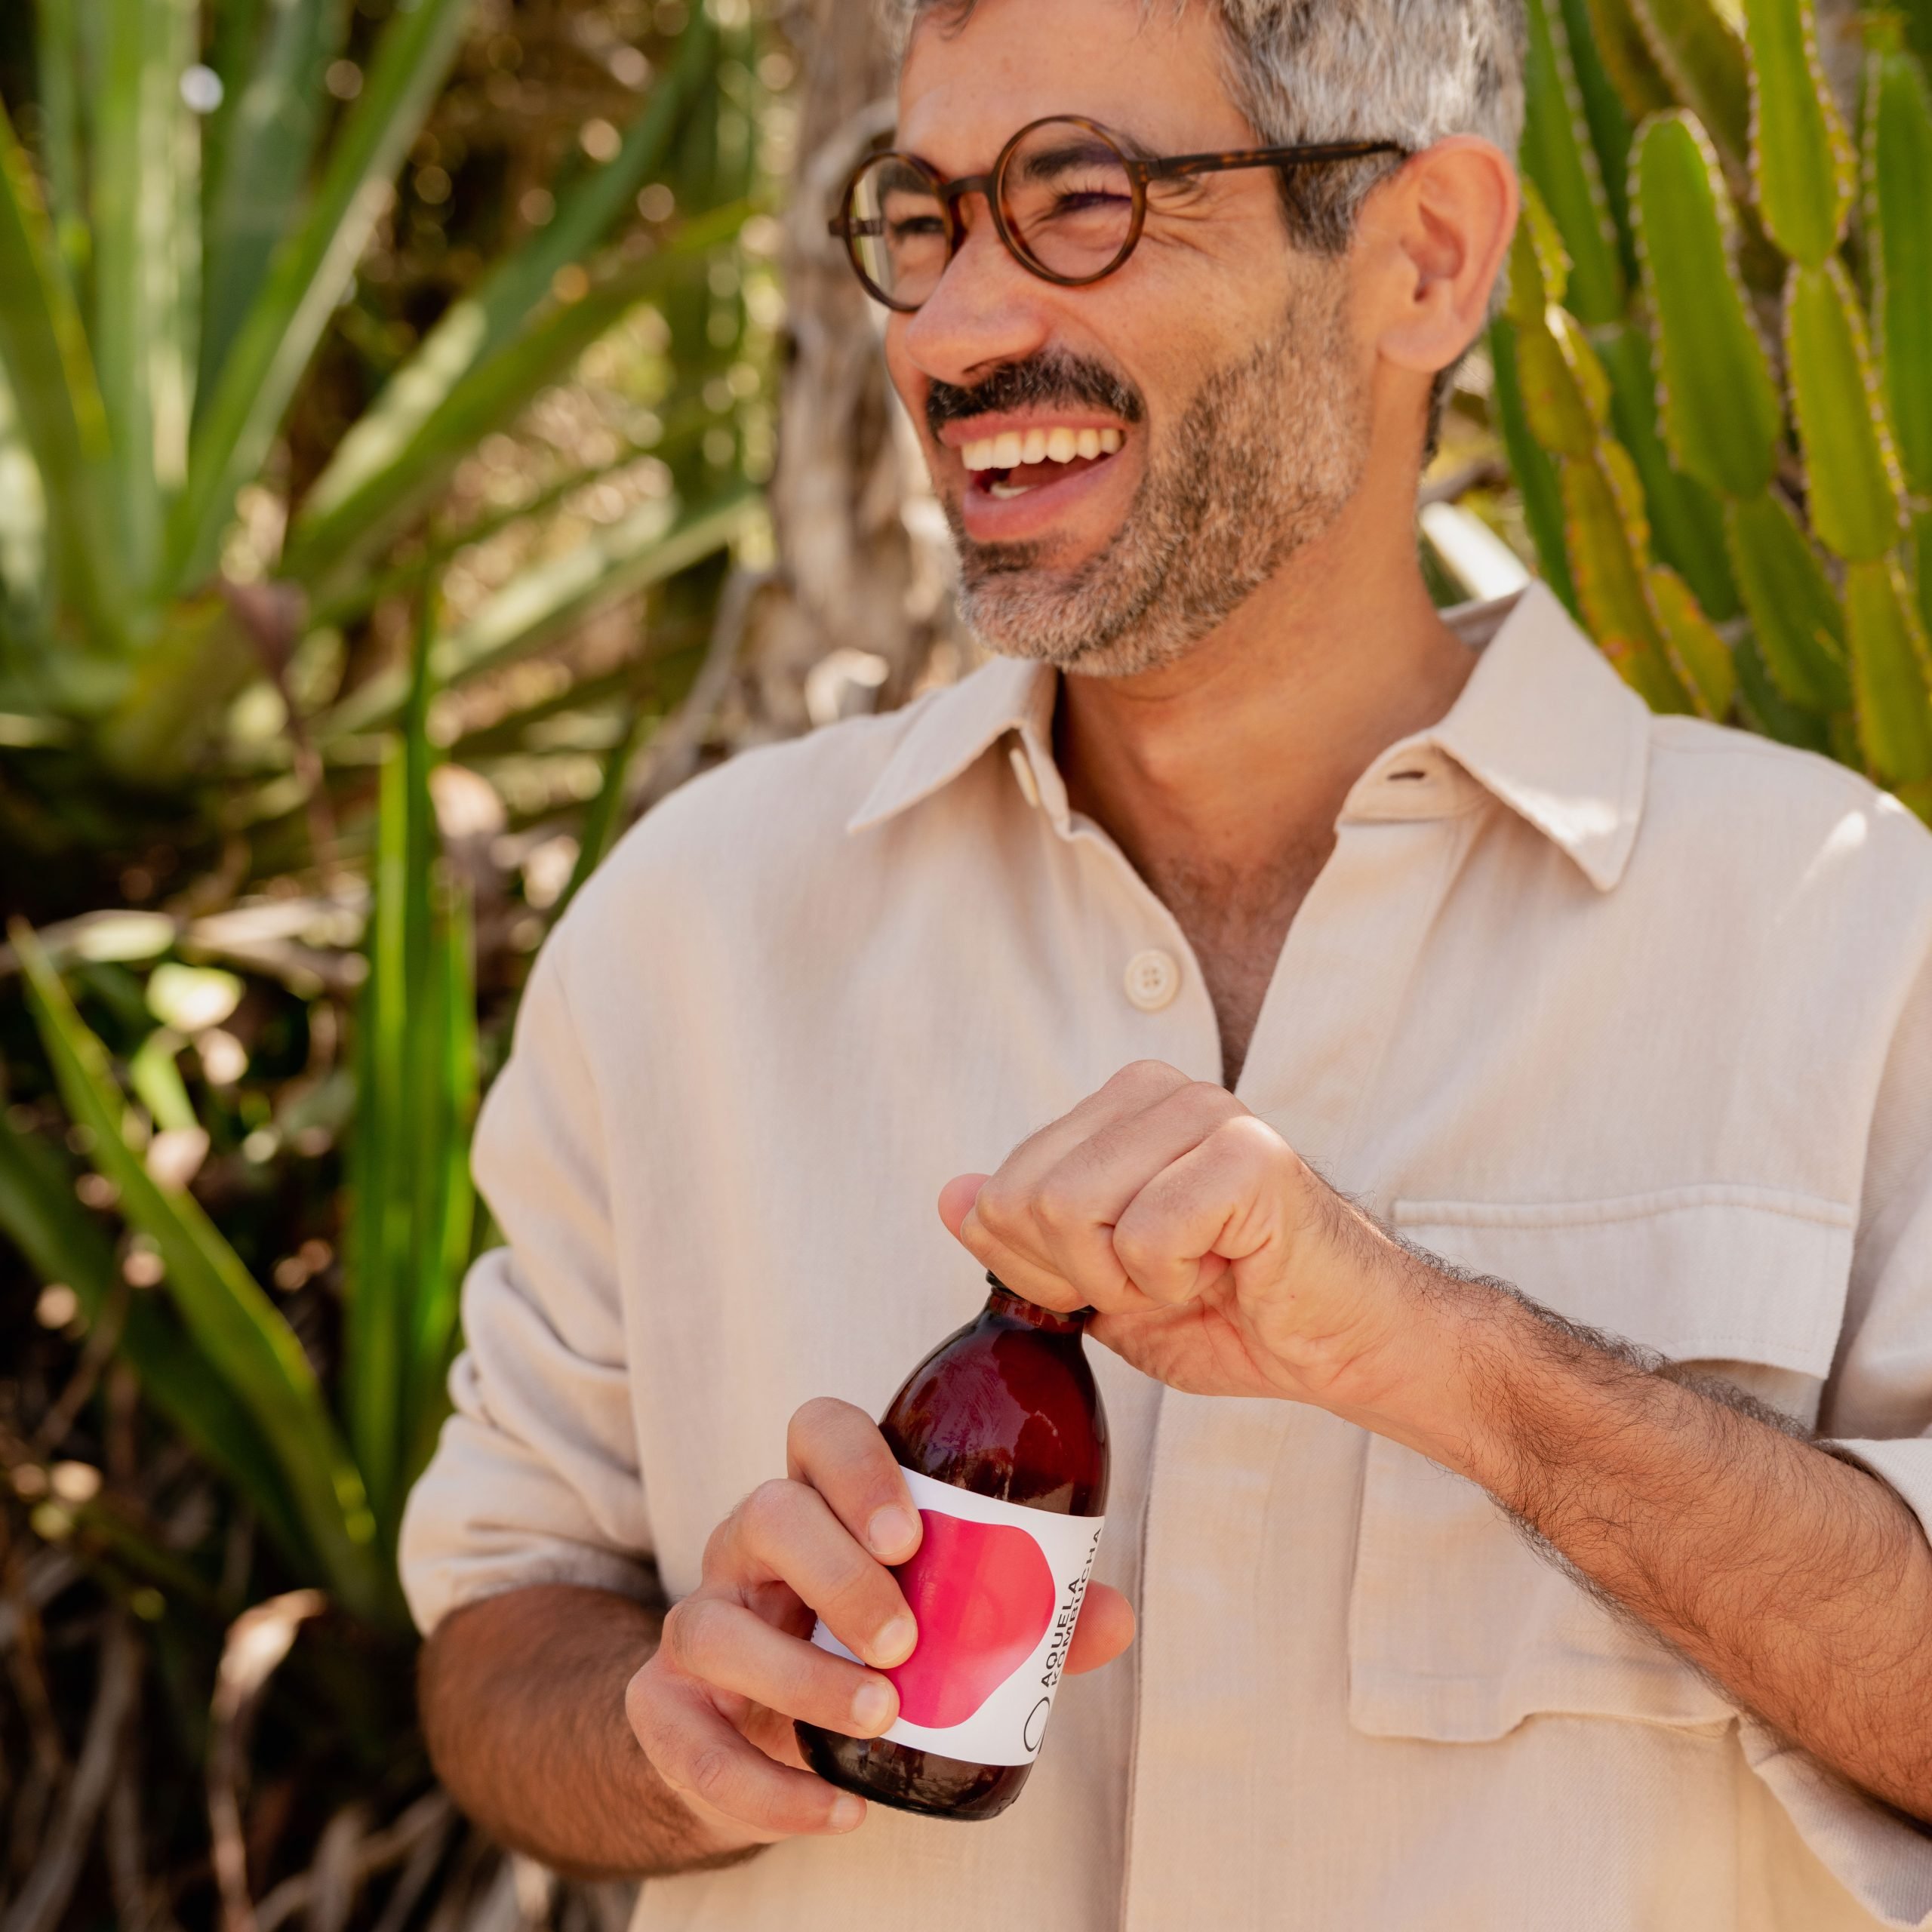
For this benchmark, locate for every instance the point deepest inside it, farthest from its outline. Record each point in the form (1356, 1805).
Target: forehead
(1155, 72)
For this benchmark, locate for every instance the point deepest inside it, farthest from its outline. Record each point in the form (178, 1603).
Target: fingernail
(847, 1813)
(872, 1706)
(895, 1641)
(892, 1531)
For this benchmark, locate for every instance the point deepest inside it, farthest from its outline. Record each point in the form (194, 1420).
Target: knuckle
(710, 1772)
(770, 1510)
(685, 1626)
(813, 1421)
(1001, 1207)
(1144, 1077)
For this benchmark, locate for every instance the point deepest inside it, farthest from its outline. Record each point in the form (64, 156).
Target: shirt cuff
(470, 1530)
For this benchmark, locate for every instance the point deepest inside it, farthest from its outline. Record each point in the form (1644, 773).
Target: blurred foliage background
(431, 431)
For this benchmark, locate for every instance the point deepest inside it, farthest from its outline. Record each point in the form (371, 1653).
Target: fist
(1218, 1261)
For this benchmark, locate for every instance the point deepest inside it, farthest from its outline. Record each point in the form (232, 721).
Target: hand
(1218, 1261)
(713, 1708)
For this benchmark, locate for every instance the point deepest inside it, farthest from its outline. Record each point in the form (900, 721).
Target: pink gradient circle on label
(983, 1596)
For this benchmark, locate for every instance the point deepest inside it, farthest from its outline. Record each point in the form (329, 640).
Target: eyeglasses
(1067, 198)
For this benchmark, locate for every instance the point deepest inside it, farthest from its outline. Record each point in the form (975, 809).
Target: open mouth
(1018, 461)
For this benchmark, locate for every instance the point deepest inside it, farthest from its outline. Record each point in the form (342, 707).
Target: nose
(987, 310)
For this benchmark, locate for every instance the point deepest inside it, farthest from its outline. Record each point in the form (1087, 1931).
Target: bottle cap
(1072, 1315)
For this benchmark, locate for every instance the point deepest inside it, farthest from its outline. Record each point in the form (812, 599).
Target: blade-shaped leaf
(1565, 391)
(480, 324)
(268, 141)
(241, 1335)
(1802, 163)
(1898, 223)
(1856, 491)
(142, 146)
(1558, 156)
(1890, 662)
(1794, 611)
(1611, 128)
(1721, 414)
(328, 546)
(273, 346)
(63, 89)
(58, 400)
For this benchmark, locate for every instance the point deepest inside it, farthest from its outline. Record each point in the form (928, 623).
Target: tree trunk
(860, 601)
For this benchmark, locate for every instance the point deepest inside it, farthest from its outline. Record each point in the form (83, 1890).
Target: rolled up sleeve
(1878, 1412)
(536, 1477)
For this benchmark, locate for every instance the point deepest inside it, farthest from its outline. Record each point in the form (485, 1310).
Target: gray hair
(1411, 71)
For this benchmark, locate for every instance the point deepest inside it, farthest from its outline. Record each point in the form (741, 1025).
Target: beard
(1264, 459)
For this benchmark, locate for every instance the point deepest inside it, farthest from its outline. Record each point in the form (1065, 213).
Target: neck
(1245, 751)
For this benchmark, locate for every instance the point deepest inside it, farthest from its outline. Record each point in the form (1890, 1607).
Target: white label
(995, 1589)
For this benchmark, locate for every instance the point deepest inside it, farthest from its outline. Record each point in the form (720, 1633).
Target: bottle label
(995, 1589)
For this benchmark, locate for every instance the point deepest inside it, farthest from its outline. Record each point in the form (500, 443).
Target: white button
(1029, 786)
(1153, 980)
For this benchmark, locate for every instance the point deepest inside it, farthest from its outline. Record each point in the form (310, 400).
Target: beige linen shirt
(1632, 1011)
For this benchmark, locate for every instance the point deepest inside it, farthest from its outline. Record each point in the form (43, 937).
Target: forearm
(522, 1699)
(1801, 1584)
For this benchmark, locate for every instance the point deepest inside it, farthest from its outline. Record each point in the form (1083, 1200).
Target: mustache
(1034, 382)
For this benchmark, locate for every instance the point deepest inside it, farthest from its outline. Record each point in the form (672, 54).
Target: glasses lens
(900, 239)
(1068, 199)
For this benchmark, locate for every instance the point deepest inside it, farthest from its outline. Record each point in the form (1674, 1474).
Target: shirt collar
(1544, 724)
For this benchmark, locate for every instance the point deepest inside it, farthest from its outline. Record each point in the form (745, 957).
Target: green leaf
(62, 1243)
(1801, 164)
(58, 400)
(243, 1338)
(480, 324)
(233, 433)
(1721, 414)
(271, 127)
(1539, 263)
(1889, 662)
(1530, 463)
(329, 545)
(1687, 521)
(1768, 709)
(1696, 653)
(1898, 225)
(1608, 541)
(1794, 611)
(1854, 488)
(641, 549)
(1558, 157)
(1611, 126)
(145, 263)
(1699, 54)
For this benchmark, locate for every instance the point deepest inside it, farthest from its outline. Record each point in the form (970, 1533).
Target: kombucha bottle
(1003, 1441)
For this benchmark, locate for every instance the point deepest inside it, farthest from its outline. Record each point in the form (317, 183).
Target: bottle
(1003, 1441)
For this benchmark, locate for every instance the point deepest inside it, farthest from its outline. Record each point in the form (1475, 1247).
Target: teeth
(1060, 445)
(1006, 492)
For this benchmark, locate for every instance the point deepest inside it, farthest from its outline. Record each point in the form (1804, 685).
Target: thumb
(956, 1198)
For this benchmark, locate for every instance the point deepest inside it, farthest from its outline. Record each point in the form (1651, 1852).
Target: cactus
(1715, 367)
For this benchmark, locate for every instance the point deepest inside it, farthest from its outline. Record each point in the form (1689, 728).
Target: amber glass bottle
(1003, 1441)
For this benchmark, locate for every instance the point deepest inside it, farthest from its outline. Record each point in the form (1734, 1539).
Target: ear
(1437, 235)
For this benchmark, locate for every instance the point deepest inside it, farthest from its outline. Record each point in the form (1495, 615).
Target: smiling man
(1492, 1123)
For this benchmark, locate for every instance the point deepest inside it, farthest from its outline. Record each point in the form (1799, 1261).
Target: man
(1238, 877)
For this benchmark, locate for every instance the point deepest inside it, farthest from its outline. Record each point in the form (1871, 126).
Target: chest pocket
(1458, 1629)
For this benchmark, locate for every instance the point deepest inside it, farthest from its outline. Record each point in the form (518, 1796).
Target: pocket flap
(1459, 1629)
(1713, 1273)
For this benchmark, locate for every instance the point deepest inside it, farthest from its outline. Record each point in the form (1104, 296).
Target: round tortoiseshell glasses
(1067, 197)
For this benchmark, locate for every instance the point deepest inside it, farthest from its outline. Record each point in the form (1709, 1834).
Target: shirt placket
(1206, 1846)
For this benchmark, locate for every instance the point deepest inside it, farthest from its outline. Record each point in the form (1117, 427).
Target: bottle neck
(1016, 1308)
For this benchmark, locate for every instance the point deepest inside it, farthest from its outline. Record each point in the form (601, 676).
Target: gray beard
(1267, 456)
